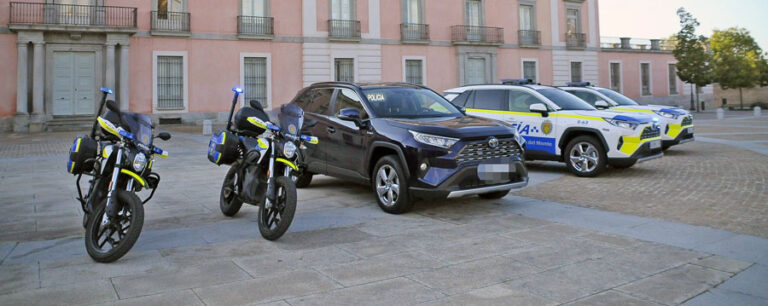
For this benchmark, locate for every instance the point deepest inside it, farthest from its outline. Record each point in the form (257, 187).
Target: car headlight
(289, 149)
(139, 162)
(667, 115)
(622, 123)
(434, 140)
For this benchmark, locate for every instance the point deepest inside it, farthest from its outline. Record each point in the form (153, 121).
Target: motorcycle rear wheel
(126, 227)
(274, 221)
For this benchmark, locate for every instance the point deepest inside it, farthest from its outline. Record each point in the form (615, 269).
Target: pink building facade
(178, 59)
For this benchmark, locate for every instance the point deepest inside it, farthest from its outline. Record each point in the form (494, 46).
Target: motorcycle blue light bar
(106, 90)
(578, 84)
(126, 134)
(237, 89)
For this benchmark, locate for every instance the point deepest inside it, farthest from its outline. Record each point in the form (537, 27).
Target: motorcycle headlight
(289, 149)
(139, 162)
(622, 123)
(667, 115)
(434, 140)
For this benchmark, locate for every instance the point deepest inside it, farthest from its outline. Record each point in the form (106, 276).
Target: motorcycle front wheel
(108, 242)
(274, 221)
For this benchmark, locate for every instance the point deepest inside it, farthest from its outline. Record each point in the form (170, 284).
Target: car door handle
(331, 129)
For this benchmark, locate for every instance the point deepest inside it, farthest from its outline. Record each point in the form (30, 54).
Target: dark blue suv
(407, 142)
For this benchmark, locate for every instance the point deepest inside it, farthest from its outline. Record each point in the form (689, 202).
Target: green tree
(737, 60)
(763, 67)
(693, 58)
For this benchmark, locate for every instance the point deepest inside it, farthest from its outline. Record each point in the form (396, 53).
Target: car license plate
(494, 172)
(655, 144)
(690, 130)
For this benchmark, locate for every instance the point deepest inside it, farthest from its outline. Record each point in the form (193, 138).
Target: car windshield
(617, 97)
(408, 102)
(565, 100)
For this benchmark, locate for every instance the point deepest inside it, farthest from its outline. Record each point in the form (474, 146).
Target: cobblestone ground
(697, 183)
(341, 249)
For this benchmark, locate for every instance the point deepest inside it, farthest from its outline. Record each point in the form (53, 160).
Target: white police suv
(561, 127)
(676, 123)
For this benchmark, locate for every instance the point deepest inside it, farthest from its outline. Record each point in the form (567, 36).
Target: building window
(572, 21)
(256, 8)
(343, 10)
(645, 78)
(475, 71)
(413, 11)
(345, 70)
(255, 80)
(527, 18)
(165, 6)
(474, 13)
(575, 71)
(170, 83)
(673, 79)
(529, 70)
(414, 71)
(616, 77)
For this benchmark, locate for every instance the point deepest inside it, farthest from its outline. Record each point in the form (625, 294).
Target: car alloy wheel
(584, 157)
(387, 185)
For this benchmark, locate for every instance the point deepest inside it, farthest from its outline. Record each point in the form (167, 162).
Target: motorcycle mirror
(164, 136)
(112, 105)
(256, 104)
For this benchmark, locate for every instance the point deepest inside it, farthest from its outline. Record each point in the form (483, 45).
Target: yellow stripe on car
(134, 176)
(577, 117)
(502, 112)
(632, 110)
(632, 143)
(287, 162)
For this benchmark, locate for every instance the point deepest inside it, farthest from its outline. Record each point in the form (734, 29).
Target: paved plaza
(690, 228)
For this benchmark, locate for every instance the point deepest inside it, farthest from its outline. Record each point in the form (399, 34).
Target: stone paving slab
(676, 285)
(397, 291)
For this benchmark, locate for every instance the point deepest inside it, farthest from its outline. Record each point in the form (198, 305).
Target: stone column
(38, 87)
(109, 79)
(125, 73)
(21, 122)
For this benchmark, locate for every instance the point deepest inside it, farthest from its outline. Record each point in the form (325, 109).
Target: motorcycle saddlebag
(222, 149)
(83, 148)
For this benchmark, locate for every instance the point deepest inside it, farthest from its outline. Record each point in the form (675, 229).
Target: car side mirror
(601, 104)
(351, 114)
(164, 136)
(112, 105)
(539, 108)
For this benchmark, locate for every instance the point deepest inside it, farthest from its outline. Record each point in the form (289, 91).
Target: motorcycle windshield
(291, 119)
(140, 126)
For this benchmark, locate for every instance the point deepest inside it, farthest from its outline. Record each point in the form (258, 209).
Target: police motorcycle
(263, 159)
(117, 156)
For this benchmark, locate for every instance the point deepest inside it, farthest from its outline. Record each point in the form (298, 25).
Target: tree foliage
(737, 59)
(693, 58)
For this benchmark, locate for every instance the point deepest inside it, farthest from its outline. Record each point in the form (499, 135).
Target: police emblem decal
(546, 127)
(292, 129)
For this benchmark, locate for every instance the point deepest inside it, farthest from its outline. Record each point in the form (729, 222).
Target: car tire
(593, 153)
(493, 195)
(304, 179)
(390, 186)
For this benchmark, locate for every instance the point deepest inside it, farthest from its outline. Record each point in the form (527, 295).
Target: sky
(658, 18)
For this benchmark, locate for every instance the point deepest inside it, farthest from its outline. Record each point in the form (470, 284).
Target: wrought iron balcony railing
(170, 21)
(414, 32)
(477, 34)
(344, 29)
(529, 37)
(72, 15)
(575, 40)
(255, 26)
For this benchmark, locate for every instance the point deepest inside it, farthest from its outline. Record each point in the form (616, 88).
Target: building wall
(630, 75)
(749, 95)
(301, 52)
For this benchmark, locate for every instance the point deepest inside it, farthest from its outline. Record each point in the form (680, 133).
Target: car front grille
(482, 150)
(650, 132)
(688, 120)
